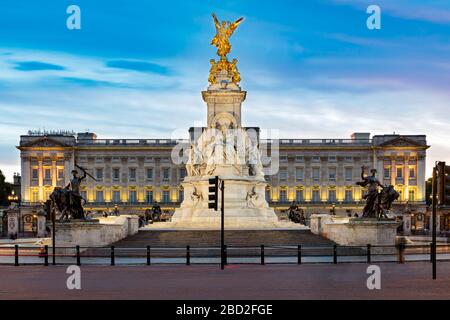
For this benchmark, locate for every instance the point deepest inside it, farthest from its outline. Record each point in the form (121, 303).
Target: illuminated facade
(319, 174)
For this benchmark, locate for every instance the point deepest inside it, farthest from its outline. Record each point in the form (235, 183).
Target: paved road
(314, 281)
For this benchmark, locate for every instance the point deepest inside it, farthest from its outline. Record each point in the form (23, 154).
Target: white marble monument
(227, 150)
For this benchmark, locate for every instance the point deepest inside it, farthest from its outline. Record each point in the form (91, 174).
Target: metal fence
(290, 254)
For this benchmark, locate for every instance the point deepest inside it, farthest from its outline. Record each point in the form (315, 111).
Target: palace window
(332, 195)
(412, 172)
(283, 195)
(316, 196)
(399, 172)
(132, 174)
(299, 174)
(348, 158)
(149, 196)
(283, 174)
(35, 196)
(412, 196)
(35, 174)
(348, 195)
(316, 159)
(348, 174)
(299, 195)
(182, 173)
(332, 158)
(116, 174)
(133, 196)
(99, 196)
(332, 174)
(316, 174)
(115, 159)
(60, 174)
(299, 158)
(165, 174)
(166, 196)
(387, 173)
(149, 173)
(283, 158)
(47, 174)
(99, 173)
(116, 196)
(180, 195)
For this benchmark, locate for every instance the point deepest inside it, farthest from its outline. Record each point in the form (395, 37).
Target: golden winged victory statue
(224, 30)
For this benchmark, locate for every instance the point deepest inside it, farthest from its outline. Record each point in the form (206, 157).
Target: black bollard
(148, 256)
(77, 248)
(16, 255)
(299, 254)
(46, 255)
(113, 258)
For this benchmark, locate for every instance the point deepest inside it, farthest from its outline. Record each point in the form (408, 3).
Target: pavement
(206, 282)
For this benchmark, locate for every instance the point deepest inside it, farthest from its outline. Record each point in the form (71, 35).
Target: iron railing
(263, 254)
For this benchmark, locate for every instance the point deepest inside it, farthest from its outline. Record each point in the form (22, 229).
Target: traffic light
(443, 184)
(213, 193)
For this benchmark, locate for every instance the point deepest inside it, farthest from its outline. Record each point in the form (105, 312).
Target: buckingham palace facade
(319, 174)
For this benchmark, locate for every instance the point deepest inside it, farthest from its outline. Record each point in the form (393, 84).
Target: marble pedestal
(245, 206)
(355, 231)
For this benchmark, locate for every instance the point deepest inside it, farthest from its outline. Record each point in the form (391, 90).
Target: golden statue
(224, 31)
(221, 41)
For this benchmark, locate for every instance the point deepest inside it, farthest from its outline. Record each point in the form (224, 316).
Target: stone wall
(95, 233)
(355, 231)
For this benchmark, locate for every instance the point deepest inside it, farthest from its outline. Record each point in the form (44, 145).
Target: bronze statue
(377, 203)
(296, 214)
(68, 200)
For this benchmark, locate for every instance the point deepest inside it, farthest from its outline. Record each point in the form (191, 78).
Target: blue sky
(312, 69)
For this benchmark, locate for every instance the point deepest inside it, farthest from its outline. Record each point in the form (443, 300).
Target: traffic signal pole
(213, 199)
(222, 225)
(434, 208)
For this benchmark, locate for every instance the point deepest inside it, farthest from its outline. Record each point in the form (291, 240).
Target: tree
(5, 190)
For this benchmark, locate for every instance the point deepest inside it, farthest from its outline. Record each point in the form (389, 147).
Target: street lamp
(13, 197)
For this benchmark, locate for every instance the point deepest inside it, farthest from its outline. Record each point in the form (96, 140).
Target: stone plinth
(95, 233)
(13, 222)
(241, 209)
(355, 231)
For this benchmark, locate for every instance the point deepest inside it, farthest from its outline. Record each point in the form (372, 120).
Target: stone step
(206, 243)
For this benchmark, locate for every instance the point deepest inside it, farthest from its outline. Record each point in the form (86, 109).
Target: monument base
(355, 231)
(94, 233)
(245, 206)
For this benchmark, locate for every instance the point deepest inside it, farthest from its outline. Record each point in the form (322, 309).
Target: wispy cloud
(36, 66)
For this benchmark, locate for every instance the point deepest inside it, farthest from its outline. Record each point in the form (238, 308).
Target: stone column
(393, 170)
(438, 222)
(25, 179)
(41, 226)
(54, 173)
(68, 166)
(407, 224)
(13, 222)
(41, 180)
(420, 178)
(228, 102)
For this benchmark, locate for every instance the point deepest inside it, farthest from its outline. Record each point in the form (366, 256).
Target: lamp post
(13, 197)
